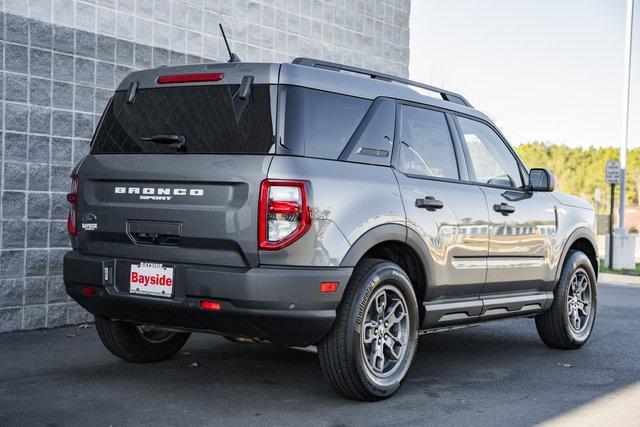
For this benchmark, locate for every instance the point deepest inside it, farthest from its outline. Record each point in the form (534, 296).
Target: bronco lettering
(197, 192)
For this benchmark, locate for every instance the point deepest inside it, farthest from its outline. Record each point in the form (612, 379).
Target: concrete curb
(618, 278)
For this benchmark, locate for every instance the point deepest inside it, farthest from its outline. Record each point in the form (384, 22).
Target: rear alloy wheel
(139, 343)
(371, 345)
(569, 321)
(384, 335)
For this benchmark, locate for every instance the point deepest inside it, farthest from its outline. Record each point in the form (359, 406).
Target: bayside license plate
(149, 278)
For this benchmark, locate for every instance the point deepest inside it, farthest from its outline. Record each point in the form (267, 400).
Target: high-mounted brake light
(72, 198)
(283, 213)
(189, 78)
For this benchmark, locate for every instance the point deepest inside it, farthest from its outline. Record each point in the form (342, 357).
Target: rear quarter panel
(348, 199)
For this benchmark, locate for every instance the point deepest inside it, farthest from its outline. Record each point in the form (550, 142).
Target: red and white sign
(149, 278)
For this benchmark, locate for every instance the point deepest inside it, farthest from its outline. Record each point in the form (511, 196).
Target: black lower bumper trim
(282, 305)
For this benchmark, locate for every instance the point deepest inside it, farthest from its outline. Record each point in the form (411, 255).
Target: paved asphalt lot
(495, 374)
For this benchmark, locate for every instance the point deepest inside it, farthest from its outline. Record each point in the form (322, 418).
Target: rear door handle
(504, 208)
(429, 203)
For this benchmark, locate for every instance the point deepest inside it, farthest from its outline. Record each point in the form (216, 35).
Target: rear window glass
(209, 117)
(372, 142)
(321, 122)
(426, 147)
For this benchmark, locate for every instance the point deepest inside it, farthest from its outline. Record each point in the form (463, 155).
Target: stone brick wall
(60, 61)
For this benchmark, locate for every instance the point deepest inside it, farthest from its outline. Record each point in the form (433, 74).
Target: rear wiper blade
(242, 97)
(174, 141)
(245, 87)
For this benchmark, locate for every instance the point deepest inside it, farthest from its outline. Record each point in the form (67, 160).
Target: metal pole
(613, 190)
(626, 100)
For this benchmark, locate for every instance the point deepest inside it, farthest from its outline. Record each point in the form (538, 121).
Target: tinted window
(372, 142)
(425, 144)
(321, 122)
(208, 117)
(492, 161)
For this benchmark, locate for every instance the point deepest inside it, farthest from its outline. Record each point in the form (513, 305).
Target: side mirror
(541, 180)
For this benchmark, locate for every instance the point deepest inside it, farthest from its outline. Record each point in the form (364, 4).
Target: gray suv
(316, 204)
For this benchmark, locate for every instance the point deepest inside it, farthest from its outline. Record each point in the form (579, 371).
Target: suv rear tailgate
(184, 208)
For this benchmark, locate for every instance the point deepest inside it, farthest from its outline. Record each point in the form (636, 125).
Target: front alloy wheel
(579, 301)
(568, 323)
(154, 335)
(139, 343)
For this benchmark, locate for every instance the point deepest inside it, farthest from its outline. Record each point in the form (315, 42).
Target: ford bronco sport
(313, 203)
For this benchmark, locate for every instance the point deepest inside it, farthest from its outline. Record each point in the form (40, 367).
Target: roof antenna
(232, 56)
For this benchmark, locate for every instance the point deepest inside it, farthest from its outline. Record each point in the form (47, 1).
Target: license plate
(153, 279)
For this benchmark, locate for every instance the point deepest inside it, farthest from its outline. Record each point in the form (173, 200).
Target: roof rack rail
(326, 65)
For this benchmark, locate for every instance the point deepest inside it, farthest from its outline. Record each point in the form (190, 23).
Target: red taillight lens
(189, 78)
(284, 208)
(283, 214)
(72, 198)
(210, 305)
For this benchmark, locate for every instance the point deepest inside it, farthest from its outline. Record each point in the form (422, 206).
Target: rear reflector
(210, 305)
(328, 287)
(189, 78)
(89, 292)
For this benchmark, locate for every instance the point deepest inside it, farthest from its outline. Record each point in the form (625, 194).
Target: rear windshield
(212, 119)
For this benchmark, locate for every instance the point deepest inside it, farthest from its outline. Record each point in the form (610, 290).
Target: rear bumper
(282, 305)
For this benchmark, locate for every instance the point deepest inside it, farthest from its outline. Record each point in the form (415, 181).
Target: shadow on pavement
(498, 373)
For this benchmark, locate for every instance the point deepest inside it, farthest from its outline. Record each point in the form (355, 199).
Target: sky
(543, 70)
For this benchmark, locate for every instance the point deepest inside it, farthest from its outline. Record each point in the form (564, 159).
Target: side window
(492, 162)
(372, 142)
(321, 122)
(425, 144)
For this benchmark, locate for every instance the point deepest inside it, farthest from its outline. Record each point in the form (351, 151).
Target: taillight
(283, 213)
(72, 198)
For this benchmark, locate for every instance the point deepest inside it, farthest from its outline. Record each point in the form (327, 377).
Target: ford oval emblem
(88, 217)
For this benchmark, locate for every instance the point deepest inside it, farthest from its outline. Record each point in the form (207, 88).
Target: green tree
(580, 170)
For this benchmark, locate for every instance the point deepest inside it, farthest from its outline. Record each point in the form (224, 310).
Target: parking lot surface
(495, 374)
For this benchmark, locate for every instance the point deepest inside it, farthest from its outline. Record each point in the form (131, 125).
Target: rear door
(449, 216)
(522, 223)
(145, 197)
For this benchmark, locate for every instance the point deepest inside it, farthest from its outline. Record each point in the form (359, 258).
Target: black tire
(128, 342)
(342, 352)
(554, 326)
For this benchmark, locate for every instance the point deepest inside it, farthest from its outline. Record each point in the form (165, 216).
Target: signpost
(626, 104)
(612, 177)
